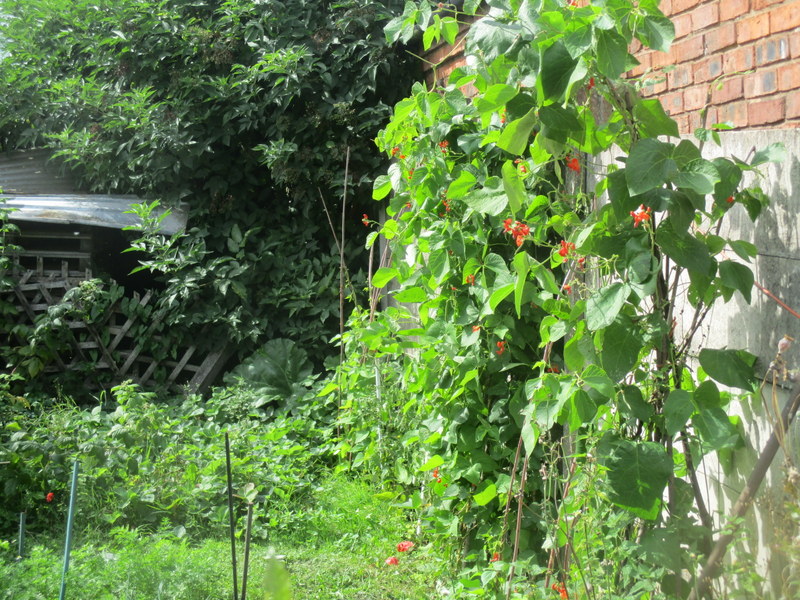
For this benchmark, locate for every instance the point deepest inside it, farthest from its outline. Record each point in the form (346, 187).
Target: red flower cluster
(502, 117)
(561, 589)
(730, 200)
(50, 497)
(392, 560)
(591, 84)
(566, 247)
(405, 546)
(501, 347)
(495, 557)
(574, 164)
(443, 145)
(476, 328)
(518, 230)
(395, 150)
(446, 203)
(523, 168)
(365, 219)
(641, 214)
(582, 263)
(435, 475)
(568, 289)
(471, 279)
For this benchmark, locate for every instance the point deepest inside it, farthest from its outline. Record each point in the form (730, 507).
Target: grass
(337, 553)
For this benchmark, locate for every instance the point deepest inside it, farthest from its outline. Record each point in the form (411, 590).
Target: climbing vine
(555, 246)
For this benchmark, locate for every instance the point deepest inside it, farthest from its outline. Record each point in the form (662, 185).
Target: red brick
(793, 106)
(696, 120)
(711, 116)
(789, 77)
(760, 83)
(720, 37)
(705, 15)
(655, 85)
(739, 59)
(752, 28)
(672, 103)
(708, 69)
(734, 113)
(660, 59)
(679, 77)
(683, 25)
(771, 50)
(636, 45)
(644, 65)
(794, 44)
(730, 90)
(678, 6)
(759, 4)
(765, 111)
(785, 17)
(695, 97)
(687, 49)
(683, 123)
(731, 9)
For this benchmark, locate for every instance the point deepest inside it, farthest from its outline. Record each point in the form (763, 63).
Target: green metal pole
(21, 547)
(70, 517)
(231, 517)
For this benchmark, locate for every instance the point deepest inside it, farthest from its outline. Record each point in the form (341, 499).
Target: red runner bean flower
(365, 219)
(501, 347)
(405, 546)
(50, 497)
(471, 279)
(392, 560)
(495, 557)
(566, 247)
(730, 200)
(443, 145)
(574, 164)
(641, 214)
(561, 589)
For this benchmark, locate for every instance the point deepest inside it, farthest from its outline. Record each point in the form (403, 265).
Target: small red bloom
(507, 225)
(582, 263)
(408, 204)
(476, 328)
(495, 557)
(50, 497)
(566, 247)
(410, 174)
(365, 219)
(392, 560)
(446, 203)
(402, 156)
(435, 473)
(471, 279)
(395, 150)
(405, 546)
(574, 164)
(591, 84)
(561, 589)
(730, 200)
(501, 347)
(503, 117)
(443, 145)
(553, 369)
(641, 214)
(568, 289)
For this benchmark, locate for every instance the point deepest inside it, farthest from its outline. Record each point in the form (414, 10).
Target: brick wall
(750, 49)
(739, 57)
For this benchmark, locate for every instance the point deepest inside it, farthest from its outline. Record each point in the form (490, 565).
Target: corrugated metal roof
(35, 185)
(92, 209)
(34, 172)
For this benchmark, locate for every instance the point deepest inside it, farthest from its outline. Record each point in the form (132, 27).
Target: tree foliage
(244, 109)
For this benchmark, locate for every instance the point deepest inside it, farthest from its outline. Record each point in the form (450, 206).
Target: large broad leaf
(637, 474)
(612, 53)
(657, 31)
(515, 136)
(513, 186)
(699, 176)
(685, 249)
(604, 305)
(557, 67)
(486, 495)
(773, 153)
(649, 165)
(620, 348)
(492, 38)
(559, 123)
(279, 369)
(715, 429)
(495, 98)
(491, 199)
(677, 410)
(737, 276)
(730, 367)
(652, 120)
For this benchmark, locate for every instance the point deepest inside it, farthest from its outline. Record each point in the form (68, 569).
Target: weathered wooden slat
(181, 364)
(128, 324)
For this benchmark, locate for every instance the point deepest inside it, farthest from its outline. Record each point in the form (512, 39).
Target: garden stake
(230, 515)
(21, 547)
(247, 549)
(70, 516)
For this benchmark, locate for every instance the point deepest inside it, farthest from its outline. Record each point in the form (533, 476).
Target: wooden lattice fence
(125, 340)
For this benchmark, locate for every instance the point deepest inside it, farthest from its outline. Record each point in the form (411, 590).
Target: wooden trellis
(113, 347)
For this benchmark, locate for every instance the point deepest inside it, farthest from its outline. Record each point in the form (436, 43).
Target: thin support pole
(21, 545)
(231, 518)
(73, 492)
(247, 549)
